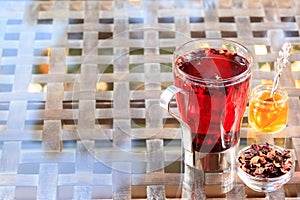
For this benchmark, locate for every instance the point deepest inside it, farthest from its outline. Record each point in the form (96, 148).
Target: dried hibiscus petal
(259, 171)
(255, 160)
(271, 154)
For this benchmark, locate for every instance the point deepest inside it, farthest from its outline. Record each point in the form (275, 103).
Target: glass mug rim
(215, 82)
(257, 90)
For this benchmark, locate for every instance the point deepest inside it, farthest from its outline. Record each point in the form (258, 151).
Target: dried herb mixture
(263, 161)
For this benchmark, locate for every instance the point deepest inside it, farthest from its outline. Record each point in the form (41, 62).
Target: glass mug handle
(166, 97)
(165, 100)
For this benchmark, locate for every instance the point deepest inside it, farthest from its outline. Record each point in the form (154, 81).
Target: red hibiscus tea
(215, 84)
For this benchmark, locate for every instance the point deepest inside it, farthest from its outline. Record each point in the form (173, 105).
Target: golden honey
(268, 114)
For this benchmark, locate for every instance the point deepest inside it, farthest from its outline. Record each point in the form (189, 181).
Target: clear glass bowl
(265, 184)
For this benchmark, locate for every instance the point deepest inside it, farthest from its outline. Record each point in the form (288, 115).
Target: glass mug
(211, 84)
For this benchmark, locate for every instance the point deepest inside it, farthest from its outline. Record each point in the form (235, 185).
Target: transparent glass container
(265, 184)
(268, 114)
